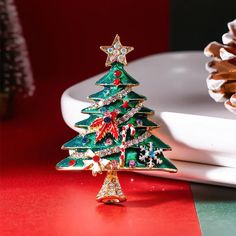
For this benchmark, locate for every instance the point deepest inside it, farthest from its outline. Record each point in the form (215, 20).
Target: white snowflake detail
(149, 155)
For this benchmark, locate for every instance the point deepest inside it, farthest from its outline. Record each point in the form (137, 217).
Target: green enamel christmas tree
(117, 133)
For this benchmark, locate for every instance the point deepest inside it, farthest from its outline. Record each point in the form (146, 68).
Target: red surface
(41, 201)
(63, 39)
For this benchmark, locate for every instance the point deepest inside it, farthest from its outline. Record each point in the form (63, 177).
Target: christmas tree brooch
(117, 133)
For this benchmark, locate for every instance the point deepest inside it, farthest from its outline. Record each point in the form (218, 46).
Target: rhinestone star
(116, 52)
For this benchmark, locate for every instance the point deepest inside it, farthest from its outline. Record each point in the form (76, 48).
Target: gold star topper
(116, 52)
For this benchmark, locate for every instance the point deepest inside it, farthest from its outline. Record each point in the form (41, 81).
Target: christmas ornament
(117, 134)
(222, 79)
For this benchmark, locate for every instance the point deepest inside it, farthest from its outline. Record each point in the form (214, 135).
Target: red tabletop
(38, 200)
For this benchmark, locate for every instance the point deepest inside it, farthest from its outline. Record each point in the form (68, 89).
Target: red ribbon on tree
(106, 124)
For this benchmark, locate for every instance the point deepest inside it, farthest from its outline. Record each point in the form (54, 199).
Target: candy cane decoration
(122, 146)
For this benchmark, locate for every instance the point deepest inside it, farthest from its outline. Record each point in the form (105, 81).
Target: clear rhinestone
(116, 52)
(136, 141)
(123, 51)
(100, 103)
(110, 50)
(117, 45)
(111, 185)
(112, 58)
(121, 58)
(140, 138)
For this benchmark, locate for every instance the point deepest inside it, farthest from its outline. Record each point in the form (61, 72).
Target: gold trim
(136, 169)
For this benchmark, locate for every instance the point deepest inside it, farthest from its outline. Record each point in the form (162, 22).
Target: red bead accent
(122, 149)
(122, 156)
(123, 143)
(117, 73)
(116, 82)
(71, 162)
(125, 104)
(96, 158)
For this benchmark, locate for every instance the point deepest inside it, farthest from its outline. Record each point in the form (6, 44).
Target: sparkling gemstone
(96, 158)
(117, 45)
(151, 154)
(85, 140)
(108, 142)
(112, 58)
(121, 58)
(132, 164)
(116, 52)
(116, 82)
(139, 122)
(117, 111)
(103, 109)
(117, 73)
(136, 141)
(125, 104)
(110, 50)
(100, 103)
(114, 164)
(123, 51)
(107, 119)
(72, 162)
(101, 153)
(140, 138)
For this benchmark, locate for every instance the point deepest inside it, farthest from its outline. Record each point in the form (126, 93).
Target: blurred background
(64, 38)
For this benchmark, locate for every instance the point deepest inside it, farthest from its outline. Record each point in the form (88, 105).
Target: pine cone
(222, 79)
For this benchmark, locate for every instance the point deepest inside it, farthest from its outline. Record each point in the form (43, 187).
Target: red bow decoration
(106, 124)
